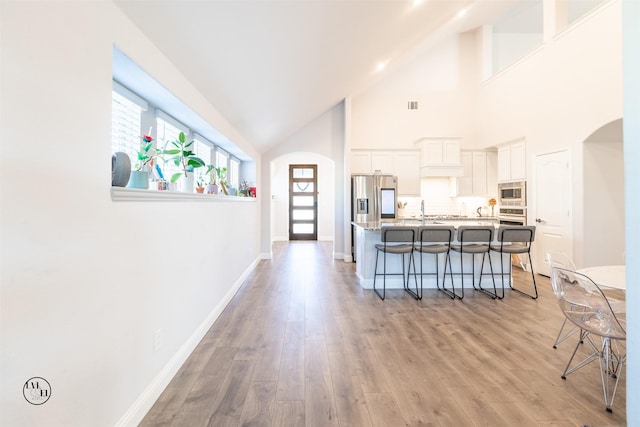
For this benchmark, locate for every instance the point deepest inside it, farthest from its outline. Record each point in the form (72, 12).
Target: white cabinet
(440, 157)
(405, 164)
(360, 162)
(372, 161)
(479, 174)
(382, 162)
(512, 162)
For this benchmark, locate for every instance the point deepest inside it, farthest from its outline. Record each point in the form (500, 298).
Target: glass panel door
(303, 202)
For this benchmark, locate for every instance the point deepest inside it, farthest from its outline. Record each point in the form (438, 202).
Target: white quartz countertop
(455, 222)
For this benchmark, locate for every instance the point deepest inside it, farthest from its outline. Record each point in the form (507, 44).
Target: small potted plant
(185, 159)
(146, 156)
(212, 184)
(199, 187)
(221, 172)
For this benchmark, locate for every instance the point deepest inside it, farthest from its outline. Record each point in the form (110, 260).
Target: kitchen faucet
(422, 210)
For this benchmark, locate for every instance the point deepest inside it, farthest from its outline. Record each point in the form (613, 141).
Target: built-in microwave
(513, 193)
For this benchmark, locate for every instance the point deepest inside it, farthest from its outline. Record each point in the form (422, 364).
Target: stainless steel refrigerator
(373, 197)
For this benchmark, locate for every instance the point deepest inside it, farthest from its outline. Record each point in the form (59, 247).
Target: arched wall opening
(603, 203)
(279, 170)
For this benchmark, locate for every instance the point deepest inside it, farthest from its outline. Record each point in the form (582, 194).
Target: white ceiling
(272, 66)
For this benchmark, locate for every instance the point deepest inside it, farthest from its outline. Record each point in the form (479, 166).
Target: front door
(303, 202)
(553, 207)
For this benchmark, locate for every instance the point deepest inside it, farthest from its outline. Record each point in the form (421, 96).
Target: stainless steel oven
(513, 193)
(512, 216)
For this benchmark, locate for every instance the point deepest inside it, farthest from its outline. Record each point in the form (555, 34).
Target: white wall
(85, 281)
(557, 97)
(323, 138)
(631, 13)
(280, 193)
(441, 81)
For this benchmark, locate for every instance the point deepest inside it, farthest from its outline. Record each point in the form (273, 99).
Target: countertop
(439, 220)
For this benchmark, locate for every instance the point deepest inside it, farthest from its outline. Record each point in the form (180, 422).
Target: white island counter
(367, 235)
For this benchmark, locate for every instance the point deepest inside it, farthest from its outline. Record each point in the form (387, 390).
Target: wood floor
(302, 344)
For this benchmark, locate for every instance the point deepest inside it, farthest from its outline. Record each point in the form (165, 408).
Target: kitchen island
(367, 235)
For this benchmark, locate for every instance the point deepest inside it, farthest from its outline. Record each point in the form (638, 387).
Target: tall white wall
(440, 81)
(86, 282)
(631, 126)
(557, 97)
(319, 141)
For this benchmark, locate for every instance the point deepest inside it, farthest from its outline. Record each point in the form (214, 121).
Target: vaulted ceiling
(272, 66)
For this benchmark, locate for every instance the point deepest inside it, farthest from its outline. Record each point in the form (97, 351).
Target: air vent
(412, 105)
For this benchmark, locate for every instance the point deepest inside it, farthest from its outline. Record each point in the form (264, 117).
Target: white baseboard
(145, 401)
(338, 255)
(347, 258)
(266, 255)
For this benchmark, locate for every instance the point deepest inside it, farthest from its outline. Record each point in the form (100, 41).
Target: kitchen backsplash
(440, 202)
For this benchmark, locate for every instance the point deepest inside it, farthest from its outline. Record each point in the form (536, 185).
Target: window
(167, 132)
(125, 126)
(203, 149)
(518, 33)
(222, 161)
(234, 173)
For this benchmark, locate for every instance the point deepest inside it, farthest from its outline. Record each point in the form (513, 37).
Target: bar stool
(515, 239)
(475, 240)
(436, 240)
(395, 240)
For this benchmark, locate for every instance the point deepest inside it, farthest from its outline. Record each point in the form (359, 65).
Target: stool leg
(493, 295)
(533, 277)
(375, 274)
(451, 293)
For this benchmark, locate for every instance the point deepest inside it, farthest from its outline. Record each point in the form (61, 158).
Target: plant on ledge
(183, 157)
(146, 155)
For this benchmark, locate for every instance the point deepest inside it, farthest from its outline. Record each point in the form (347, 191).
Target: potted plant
(221, 172)
(140, 177)
(209, 177)
(185, 159)
(199, 187)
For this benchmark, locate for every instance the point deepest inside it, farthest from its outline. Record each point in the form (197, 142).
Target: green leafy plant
(211, 174)
(221, 172)
(182, 156)
(147, 153)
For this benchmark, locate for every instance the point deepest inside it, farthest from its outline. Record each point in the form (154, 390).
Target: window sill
(123, 194)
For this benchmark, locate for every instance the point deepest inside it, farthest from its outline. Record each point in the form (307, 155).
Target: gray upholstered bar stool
(475, 240)
(515, 239)
(396, 240)
(435, 240)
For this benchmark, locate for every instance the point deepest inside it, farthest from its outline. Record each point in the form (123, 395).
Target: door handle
(538, 220)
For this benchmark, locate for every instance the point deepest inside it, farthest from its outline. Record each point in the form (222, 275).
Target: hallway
(302, 343)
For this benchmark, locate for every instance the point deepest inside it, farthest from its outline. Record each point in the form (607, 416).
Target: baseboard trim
(145, 401)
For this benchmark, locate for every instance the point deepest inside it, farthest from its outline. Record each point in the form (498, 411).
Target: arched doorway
(604, 219)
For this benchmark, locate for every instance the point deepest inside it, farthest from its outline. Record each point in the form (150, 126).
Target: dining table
(608, 276)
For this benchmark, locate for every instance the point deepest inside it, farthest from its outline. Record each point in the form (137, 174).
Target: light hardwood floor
(303, 344)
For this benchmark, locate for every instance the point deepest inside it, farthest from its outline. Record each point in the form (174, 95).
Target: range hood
(441, 171)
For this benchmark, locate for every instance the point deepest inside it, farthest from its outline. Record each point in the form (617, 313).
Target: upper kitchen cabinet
(440, 157)
(372, 161)
(480, 172)
(512, 162)
(405, 164)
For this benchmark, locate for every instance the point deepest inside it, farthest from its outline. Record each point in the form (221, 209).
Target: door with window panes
(303, 202)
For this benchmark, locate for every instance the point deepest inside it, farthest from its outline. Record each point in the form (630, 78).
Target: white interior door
(553, 206)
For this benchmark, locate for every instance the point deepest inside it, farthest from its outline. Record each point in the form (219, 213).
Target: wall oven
(513, 193)
(512, 216)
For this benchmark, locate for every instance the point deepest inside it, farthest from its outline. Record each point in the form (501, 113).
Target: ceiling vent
(412, 105)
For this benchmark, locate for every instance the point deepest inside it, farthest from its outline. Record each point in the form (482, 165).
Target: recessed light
(380, 66)
(461, 13)
(416, 3)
